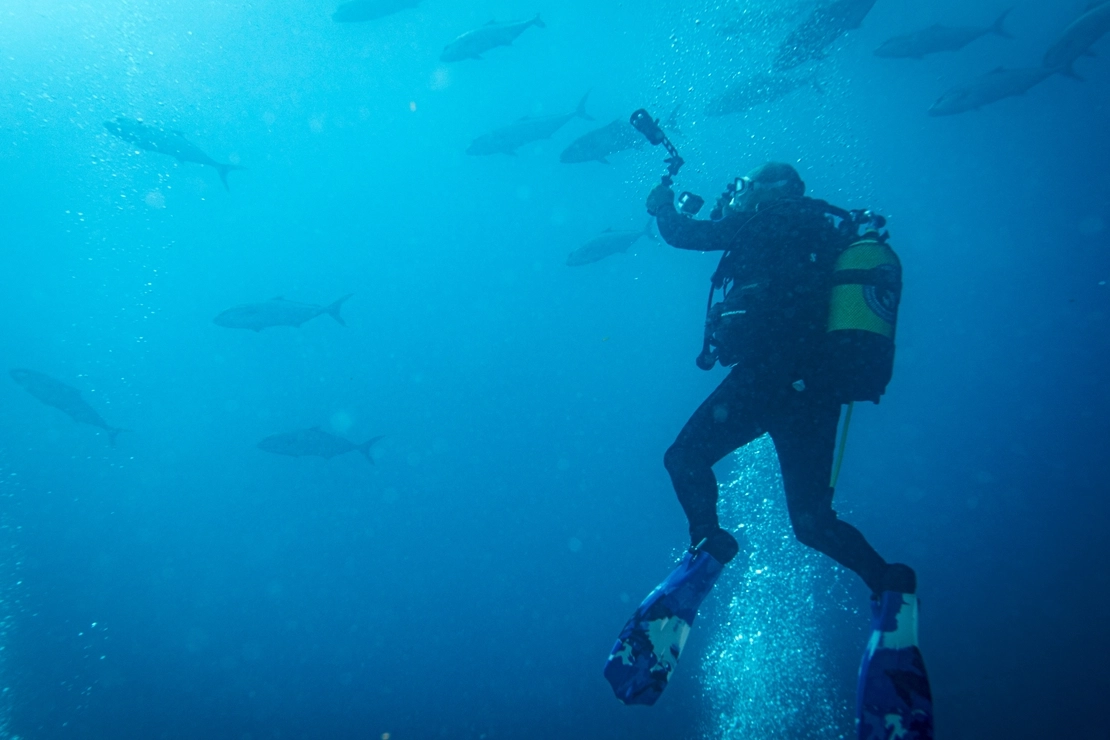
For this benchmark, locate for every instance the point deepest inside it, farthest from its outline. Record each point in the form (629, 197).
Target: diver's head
(772, 181)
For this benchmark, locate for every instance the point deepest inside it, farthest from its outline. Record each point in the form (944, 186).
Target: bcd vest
(862, 286)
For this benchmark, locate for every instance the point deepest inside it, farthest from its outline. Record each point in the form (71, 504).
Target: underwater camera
(689, 203)
(642, 121)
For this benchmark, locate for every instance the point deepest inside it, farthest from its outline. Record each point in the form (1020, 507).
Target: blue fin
(894, 698)
(647, 651)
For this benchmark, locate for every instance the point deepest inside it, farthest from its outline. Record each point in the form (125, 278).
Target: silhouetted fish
(472, 44)
(608, 243)
(314, 442)
(277, 312)
(65, 398)
(938, 38)
(598, 144)
(745, 93)
(173, 143)
(367, 10)
(812, 38)
(1079, 37)
(991, 87)
(508, 139)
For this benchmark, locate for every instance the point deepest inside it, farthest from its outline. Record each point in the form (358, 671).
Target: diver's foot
(900, 579)
(718, 543)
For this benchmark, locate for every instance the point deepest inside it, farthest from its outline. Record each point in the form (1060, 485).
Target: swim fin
(894, 699)
(647, 651)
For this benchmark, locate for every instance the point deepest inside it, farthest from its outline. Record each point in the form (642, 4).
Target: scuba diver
(773, 329)
(806, 322)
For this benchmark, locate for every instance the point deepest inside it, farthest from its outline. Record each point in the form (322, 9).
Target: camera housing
(643, 122)
(690, 203)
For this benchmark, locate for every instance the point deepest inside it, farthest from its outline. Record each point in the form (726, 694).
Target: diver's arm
(684, 232)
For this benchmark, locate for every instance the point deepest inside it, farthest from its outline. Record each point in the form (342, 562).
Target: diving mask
(744, 188)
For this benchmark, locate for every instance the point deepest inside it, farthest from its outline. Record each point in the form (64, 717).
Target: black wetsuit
(784, 251)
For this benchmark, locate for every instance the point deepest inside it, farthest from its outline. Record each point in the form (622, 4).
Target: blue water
(185, 584)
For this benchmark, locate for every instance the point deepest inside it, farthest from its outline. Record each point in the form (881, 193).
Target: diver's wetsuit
(787, 248)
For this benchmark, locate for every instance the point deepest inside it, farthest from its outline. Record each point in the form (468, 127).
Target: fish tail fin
(113, 433)
(999, 26)
(223, 169)
(367, 447)
(333, 309)
(647, 228)
(580, 111)
(538, 22)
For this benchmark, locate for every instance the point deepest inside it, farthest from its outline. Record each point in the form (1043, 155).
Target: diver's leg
(723, 423)
(804, 432)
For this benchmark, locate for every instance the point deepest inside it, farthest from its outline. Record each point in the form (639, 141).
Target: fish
(744, 93)
(606, 244)
(1079, 37)
(65, 398)
(314, 442)
(165, 141)
(994, 86)
(508, 139)
(756, 19)
(939, 38)
(811, 39)
(357, 11)
(277, 312)
(598, 144)
(472, 44)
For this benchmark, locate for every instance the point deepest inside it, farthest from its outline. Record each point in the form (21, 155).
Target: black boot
(899, 578)
(718, 543)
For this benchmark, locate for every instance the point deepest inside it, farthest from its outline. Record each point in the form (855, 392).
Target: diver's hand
(659, 198)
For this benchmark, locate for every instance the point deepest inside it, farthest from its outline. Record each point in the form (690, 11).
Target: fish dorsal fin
(278, 298)
(492, 23)
(607, 230)
(315, 429)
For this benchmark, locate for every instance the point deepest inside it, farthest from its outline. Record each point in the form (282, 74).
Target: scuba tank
(863, 313)
(865, 289)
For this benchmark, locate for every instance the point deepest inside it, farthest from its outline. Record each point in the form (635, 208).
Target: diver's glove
(660, 198)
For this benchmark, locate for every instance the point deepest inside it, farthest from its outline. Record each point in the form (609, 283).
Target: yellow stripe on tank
(849, 311)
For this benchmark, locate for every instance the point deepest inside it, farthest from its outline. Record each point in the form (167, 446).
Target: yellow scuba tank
(863, 317)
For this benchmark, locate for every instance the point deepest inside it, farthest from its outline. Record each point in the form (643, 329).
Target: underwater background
(184, 583)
